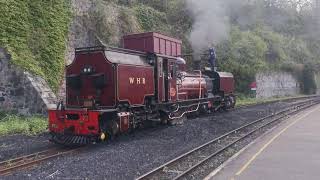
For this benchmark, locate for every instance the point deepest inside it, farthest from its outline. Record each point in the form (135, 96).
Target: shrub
(14, 124)
(151, 19)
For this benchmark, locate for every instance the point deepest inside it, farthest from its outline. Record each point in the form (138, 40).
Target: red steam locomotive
(110, 91)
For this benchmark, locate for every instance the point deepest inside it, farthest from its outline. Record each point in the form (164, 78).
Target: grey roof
(123, 58)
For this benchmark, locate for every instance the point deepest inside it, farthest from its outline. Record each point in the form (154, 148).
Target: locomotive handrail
(60, 106)
(190, 111)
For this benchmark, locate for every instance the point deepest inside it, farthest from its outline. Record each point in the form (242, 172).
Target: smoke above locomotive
(211, 21)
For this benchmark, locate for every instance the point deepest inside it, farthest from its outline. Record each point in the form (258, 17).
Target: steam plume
(211, 24)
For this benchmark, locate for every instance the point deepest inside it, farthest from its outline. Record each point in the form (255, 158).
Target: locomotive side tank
(194, 85)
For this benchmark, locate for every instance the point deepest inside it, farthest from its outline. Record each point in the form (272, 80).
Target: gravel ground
(17, 145)
(133, 155)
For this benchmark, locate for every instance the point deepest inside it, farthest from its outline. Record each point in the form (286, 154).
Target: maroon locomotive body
(111, 90)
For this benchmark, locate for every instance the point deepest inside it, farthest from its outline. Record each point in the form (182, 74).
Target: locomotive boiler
(110, 90)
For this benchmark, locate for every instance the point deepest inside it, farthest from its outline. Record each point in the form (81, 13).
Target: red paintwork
(124, 122)
(58, 122)
(130, 78)
(226, 83)
(98, 61)
(135, 91)
(253, 85)
(189, 88)
(154, 43)
(117, 81)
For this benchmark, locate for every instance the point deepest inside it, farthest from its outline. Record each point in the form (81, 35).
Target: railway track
(9, 166)
(273, 101)
(196, 162)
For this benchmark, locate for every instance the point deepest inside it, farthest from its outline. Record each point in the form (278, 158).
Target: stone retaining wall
(21, 91)
(270, 84)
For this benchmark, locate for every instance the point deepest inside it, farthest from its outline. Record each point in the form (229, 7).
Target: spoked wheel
(109, 130)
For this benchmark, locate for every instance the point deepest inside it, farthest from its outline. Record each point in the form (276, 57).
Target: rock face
(22, 92)
(95, 23)
(80, 34)
(270, 84)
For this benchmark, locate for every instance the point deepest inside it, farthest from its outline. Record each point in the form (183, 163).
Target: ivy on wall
(34, 33)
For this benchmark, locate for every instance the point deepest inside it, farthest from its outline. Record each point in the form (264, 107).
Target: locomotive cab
(223, 82)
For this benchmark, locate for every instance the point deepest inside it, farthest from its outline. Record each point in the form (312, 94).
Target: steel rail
(277, 100)
(191, 169)
(10, 161)
(162, 169)
(11, 165)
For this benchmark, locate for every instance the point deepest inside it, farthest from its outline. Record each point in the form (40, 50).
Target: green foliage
(129, 22)
(151, 19)
(110, 21)
(298, 51)
(265, 35)
(159, 5)
(276, 44)
(243, 55)
(14, 124)
(104, 20)
(34, 32)
(248, 52)
(178, 17)
(243, 100)
(309, 83)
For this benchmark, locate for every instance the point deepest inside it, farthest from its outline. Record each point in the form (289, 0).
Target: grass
(14, 124)
(245, 101)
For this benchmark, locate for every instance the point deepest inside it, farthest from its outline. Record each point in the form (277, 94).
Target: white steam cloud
(211, 24)
(211, 21)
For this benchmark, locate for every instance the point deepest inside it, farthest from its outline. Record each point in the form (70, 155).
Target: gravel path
(133, 155)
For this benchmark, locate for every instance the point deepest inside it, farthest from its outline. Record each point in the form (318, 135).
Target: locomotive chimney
(196, 61)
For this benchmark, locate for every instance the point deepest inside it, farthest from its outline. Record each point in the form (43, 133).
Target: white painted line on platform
(216, 171)
(246, 165)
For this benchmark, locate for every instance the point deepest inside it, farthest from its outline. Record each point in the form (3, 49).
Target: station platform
(291, 151)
